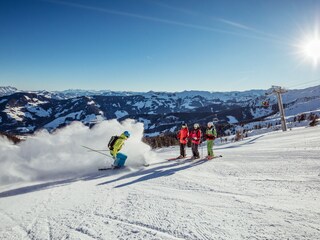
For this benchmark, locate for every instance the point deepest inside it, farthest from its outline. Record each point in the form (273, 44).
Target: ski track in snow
(264, 187)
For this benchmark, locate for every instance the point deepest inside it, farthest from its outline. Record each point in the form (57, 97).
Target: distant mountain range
(24, 112)
(7, 91)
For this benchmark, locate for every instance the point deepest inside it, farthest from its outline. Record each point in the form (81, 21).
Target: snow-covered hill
(264, 187)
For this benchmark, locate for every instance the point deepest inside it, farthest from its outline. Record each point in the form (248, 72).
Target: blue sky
(159, 45)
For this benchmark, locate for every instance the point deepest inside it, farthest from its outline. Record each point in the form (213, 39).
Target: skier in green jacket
(115, 147)
(211, 134)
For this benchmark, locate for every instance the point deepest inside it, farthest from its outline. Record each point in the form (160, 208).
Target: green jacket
(118, 145)
(211, 133)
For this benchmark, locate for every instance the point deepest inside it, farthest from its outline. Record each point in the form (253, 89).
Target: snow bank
(58, 155)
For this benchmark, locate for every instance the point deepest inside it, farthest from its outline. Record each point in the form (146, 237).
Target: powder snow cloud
(46, 156)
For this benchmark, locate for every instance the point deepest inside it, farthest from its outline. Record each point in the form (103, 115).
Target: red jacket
(195, 136)
(183, 135)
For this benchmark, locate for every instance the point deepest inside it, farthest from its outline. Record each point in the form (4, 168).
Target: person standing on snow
(195, 137)
(183, 135)
(210, 135)
(115, 145)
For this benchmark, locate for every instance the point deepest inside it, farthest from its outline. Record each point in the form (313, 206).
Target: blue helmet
(126, 133)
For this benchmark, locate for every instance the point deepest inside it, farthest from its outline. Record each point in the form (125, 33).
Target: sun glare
(310, 48)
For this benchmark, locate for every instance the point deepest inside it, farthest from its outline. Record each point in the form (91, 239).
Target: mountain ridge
(26, 112)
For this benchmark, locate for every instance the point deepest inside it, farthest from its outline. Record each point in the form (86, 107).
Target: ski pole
(97, 151)
(202, 150)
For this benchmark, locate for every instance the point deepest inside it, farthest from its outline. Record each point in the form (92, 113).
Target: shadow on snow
(153, 173)
(48, 185)
(251, 141)
(146, 174)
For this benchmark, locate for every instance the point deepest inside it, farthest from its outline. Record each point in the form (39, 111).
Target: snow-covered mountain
(73, 93)
(7, 90)
(26, 112)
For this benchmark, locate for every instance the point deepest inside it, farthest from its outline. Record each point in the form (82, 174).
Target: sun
(310, 48)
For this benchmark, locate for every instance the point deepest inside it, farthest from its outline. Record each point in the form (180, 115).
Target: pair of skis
(118, 168)
(110, 168)
(191, 159)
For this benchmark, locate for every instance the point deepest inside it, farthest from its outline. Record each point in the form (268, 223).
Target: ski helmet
(184, 125)
(210, 124)
(126, 133)
(196, 125)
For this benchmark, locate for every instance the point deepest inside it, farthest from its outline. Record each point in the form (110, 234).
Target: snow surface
(292, 95)
(300, 107)
(39, 111)
(26, 129)
(264, 187)
(121, 113)
(15, 113)
(232, 119)
(61, 120)
(92, 118)
(139, 105)
(146, 122)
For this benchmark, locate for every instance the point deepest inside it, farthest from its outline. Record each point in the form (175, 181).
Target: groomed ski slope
(264, 187)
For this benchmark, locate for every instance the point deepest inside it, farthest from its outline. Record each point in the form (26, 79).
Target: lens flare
(311, 49)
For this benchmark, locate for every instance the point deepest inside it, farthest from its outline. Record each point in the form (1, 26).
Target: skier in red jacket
(195, 137)
(183, 135)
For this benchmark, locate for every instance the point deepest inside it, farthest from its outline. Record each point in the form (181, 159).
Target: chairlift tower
(278, 91)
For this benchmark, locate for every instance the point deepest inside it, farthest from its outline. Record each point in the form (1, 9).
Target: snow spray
(44, 156)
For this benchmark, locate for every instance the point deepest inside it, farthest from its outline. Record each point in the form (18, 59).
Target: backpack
(112, 141)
